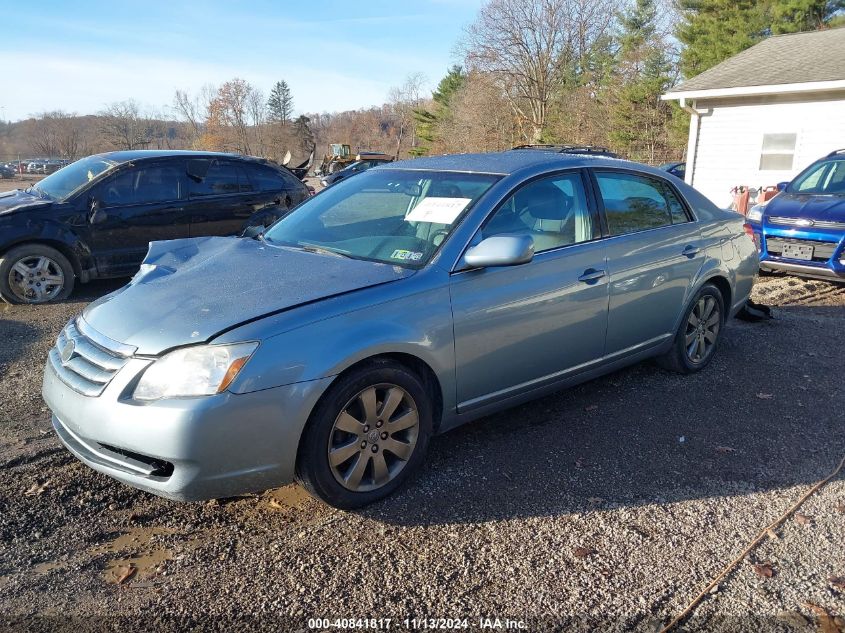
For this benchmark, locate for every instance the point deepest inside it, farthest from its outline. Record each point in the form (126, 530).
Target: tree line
(530, 71)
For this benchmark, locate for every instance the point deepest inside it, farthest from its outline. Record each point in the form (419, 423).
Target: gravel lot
(608, 506)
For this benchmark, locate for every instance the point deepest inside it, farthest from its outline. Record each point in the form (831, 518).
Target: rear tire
(698, 333)
(368, 434)
(35, 273)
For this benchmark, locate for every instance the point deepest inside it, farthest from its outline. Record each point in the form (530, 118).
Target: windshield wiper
(313, 248)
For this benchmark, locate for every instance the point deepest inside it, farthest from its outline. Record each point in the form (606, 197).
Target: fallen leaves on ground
(765, 396)
(725, 449)
(837, 581)
(591, 407)
(793, 619)
(764, 570)
(772, 534)
(827, 623)
(36, 489)
(125, 573)
(803, 519)
(584, 552)
(840, 507)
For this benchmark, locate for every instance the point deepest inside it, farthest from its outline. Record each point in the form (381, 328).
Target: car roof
(123, 156)
(509, 162)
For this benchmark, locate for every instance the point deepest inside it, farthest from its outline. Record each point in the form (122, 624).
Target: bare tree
(531, 48)
(124, 126)
(404, 100)
(57, 133)
(193, 110)
(229, 115)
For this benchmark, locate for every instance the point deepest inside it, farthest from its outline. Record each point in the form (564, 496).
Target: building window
(778, 152)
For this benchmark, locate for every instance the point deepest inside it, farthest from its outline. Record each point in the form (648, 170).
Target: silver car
(398, 304)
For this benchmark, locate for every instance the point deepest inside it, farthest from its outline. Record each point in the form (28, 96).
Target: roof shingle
(780, 59)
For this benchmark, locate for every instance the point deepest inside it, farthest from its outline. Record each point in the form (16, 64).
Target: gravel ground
(607, 506)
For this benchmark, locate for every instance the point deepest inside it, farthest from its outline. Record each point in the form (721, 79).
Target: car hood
(18, 199)
(189, 290)
(813, 207)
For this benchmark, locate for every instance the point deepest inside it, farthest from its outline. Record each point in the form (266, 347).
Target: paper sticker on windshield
(411, 256)
(438, 210)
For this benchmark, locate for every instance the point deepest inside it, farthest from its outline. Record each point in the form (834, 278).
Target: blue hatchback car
(802, 229)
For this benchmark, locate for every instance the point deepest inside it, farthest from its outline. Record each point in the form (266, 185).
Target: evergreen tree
(427, 121)
(639, 118)
(793, 16)
(713, 30)
(304, 135)
(280, 103)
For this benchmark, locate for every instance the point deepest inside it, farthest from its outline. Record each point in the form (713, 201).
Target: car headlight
(755, 213)
(194, 371)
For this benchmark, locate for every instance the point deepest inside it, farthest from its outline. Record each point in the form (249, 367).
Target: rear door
(221, 197)
(654, 254)
(138, 205)
(278, 191)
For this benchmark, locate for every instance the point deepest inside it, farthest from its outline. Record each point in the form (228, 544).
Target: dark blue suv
(802, 229)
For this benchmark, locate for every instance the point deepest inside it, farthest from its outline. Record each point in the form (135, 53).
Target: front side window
(553, 211)
(143, 185)
(393, 216)
(825, 177)
(637, 203)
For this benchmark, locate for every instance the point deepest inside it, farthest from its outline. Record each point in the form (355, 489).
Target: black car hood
(813, 207)
(18, 200)
(188, 290)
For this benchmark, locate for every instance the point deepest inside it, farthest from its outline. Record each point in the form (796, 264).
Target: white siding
(730, 138)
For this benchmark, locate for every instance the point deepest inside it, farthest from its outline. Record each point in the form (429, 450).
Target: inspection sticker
(438, 210)
(407, 255)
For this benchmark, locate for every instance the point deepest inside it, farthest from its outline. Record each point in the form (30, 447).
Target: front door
(138, 205)
(521, 327)
(654, 253)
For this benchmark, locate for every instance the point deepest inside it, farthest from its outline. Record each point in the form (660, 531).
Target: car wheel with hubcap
(35, 273)
(698, 334)
(366, 436)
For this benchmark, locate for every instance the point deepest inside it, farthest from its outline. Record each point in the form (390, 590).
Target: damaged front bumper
(188, 449)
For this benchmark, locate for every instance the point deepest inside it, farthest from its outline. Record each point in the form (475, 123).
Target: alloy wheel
(703, 326)
(36, 279)
(373, 437)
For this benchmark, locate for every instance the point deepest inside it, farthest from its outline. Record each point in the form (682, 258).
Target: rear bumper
(187, 449)
(819, 272)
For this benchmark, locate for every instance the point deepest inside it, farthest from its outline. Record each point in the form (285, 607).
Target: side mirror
(253, 231)
(782, 185)
(96, 215)
(501, 250)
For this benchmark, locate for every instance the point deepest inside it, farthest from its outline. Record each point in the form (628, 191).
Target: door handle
(591, 276)
(690, 251)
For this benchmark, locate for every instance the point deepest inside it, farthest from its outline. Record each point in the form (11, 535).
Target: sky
(79, 56)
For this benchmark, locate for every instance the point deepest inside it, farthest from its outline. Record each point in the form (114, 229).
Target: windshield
(824, 177)
(385, 215)
(68, 180)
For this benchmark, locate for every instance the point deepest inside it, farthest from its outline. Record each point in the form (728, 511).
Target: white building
(763, 115)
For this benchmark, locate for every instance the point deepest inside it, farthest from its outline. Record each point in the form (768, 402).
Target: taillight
(749, 231)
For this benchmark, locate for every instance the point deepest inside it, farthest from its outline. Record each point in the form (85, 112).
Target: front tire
(35, 273)
(366, 436)
(698, 334)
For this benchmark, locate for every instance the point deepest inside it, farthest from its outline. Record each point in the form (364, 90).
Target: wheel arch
(60, 246)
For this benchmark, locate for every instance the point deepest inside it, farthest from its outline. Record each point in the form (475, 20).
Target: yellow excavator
(340, 155)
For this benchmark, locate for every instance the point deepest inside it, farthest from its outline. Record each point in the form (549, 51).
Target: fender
(53, 232)
(420, 326)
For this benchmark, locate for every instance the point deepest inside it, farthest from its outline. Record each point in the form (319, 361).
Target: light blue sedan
(395, 305)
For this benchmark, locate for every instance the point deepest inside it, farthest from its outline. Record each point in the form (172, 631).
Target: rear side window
(144, 185)
(221, 178)
(266, 179)
(636, 203)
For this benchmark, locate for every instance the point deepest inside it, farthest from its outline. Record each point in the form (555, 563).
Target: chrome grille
(804, 223)
(85, 360)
